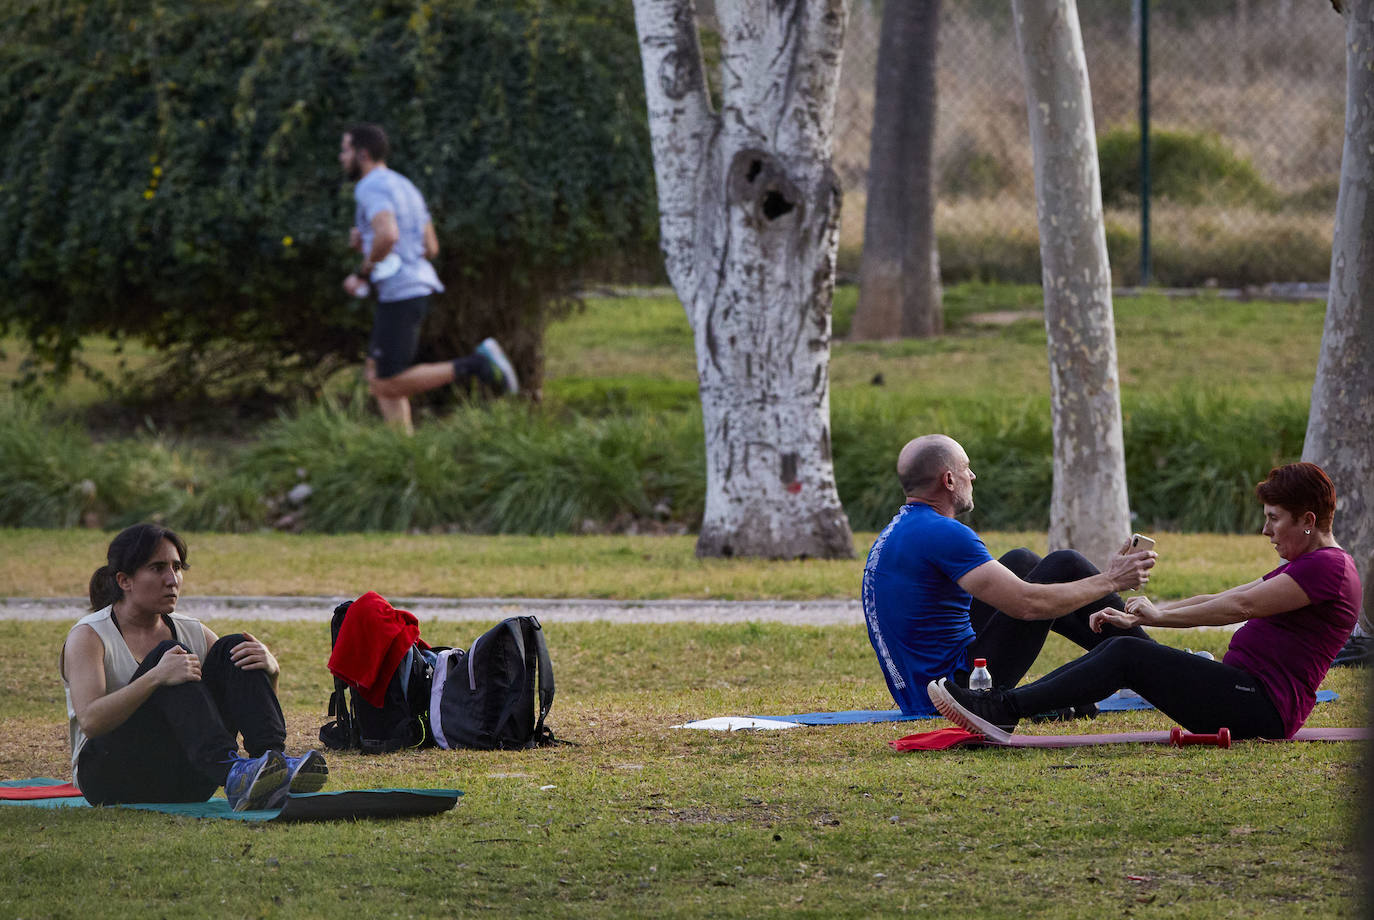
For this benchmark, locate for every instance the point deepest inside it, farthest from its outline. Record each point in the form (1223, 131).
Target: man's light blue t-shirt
(917, 615)
(385, 189)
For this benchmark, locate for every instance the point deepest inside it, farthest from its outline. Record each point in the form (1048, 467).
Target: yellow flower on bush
(287, 241)
(148, 194)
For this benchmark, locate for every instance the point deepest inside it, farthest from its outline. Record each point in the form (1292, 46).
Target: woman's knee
(151, 659)
(1124, 648)
(221, 653)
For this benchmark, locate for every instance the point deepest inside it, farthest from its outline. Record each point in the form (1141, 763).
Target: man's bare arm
(995, 584)
(385, 235)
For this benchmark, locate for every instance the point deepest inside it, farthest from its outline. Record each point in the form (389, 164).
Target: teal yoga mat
(345, 805)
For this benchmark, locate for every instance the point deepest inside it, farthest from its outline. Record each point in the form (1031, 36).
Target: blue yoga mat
(348, 804)
(1116, 703)
(852, 716)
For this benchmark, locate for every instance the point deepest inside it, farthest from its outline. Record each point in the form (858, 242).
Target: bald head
(924, 460)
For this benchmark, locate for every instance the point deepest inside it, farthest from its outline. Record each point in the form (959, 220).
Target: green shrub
(1217, 250)
(1185, 167)
(968, 170)
(55, 476)
(1224, 253)
(1192, 462)
(504, 469)
(1004, 253)
(1010, 447)
(168, 168)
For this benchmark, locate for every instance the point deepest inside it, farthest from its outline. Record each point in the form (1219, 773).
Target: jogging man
(934, 598)
(393, 231)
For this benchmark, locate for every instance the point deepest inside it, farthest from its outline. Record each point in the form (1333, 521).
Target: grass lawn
(640, 819)
(58, 563)
(640, 347)
(994, 349)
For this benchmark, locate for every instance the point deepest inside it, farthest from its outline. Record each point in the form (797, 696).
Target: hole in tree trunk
(775, 205)
(789, 469)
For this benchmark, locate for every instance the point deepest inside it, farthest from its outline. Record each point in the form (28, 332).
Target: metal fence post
(1144, 11)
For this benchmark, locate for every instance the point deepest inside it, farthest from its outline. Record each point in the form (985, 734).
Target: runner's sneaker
(253, 783)
(983, 712)
(503, 371)
(308, 773)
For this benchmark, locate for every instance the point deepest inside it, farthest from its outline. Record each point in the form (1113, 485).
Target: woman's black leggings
(1200, 694)
(1011, 645)
(178, 745)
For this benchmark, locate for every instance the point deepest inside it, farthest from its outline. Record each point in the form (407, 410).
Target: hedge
(168, 168)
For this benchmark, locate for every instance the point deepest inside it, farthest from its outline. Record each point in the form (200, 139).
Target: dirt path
(796, 613)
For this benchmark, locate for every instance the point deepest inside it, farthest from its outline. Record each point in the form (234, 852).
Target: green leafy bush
(1192, 462)
(1219, 251)
(1185, 167)
(55, 476)
(168, 169)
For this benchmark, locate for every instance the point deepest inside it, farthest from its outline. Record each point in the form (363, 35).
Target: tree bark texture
(749, 218)
(899, 273)
(1089, 510)
(1340, 428)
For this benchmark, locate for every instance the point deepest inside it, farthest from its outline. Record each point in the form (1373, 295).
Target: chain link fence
(1247, 122)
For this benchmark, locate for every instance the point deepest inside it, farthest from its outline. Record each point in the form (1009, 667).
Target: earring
(1307, 531)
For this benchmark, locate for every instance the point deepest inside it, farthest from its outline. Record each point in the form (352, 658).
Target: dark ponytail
(131, 548)
(104, 590)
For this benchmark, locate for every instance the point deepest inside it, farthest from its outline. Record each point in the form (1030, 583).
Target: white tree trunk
(1089, 511)
(1340, 429)
(749, 217)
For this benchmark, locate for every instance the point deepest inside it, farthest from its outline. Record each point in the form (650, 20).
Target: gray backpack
(496, 694)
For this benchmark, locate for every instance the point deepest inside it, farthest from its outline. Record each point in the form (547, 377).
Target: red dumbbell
(1179, 738)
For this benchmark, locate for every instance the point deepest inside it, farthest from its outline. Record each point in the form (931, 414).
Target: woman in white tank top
(156, 701)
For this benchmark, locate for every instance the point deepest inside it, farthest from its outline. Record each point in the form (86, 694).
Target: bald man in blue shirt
(934, 598)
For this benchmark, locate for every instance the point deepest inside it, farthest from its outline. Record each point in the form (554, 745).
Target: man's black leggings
(1197, 693)
(178, 745)
(1011, 645)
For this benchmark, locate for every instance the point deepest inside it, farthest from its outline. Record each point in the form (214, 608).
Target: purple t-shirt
(1290, 652)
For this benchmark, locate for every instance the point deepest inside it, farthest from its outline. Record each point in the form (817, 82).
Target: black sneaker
(983, 712)
(1357, 652)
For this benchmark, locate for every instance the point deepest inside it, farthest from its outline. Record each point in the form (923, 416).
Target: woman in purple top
(1296, 619)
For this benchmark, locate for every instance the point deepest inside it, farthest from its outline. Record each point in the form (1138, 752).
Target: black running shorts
(396, 334)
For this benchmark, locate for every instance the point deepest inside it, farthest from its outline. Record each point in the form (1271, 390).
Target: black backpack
(486, 697)
(402, 721)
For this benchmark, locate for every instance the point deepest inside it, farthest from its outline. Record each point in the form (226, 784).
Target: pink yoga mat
(957, 737)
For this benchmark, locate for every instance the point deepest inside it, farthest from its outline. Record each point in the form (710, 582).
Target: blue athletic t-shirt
(917, 614)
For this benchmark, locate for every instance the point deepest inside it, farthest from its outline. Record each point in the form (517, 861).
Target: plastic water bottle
(980, 679)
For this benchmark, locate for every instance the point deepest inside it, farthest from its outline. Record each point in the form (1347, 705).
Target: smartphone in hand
(1141, 543)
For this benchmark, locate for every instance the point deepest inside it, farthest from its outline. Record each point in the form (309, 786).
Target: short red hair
(1299, 488)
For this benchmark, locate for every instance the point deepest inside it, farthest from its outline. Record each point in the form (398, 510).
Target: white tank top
(120, 664)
